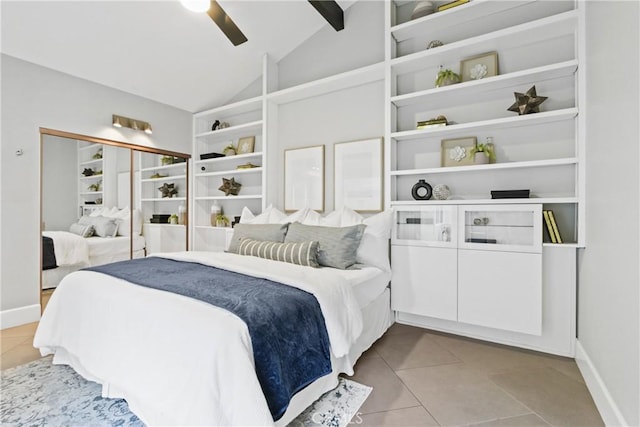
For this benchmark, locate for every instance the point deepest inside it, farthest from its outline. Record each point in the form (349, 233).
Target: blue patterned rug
(42, 394)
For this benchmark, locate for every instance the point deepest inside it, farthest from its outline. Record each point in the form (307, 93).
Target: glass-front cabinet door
(516, 228)
(425, 226)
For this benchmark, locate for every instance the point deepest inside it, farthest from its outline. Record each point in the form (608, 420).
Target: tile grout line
(520, 402)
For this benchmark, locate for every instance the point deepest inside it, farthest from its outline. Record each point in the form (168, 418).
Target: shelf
(501, 40)
(227, 158)
(164, 199)
(89, 147)
(90, 162)
(245, 106)
(90, 193)
(212, 228)
(502, 123)
(493, 166)
(541, 200)
(154, 224)
(230, 172)
(439, 96)
(474, 10)
(171, 166)
(231, 131)
(89, 178)
(166, 178)
(560, 245)
(255, 196)
(353, 78)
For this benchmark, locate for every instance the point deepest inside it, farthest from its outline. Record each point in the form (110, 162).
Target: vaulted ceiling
(157, 49)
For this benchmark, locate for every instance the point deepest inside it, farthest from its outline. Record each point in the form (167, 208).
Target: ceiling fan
(329, 9)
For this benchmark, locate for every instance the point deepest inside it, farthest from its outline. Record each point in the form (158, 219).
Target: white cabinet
(164, 237)
(489, 276)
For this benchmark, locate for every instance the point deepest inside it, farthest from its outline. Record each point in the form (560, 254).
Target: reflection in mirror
(86, 220)
(163, 200)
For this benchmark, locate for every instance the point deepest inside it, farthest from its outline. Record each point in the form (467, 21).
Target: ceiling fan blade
(228, 27)
(331, 11)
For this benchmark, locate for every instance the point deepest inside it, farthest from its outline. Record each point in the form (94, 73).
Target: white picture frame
(304, 178)
(358, 176)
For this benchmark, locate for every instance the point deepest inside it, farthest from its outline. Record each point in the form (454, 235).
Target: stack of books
(451, 4)
(431, 123)
(552, 227)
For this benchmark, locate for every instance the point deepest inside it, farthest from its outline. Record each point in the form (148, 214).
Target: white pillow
(271, 215)
(124, 217)
(374, 246)
(97, 212)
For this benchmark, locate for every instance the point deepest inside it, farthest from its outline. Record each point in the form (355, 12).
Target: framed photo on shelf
(358, 177)
(246, 145)
(479, 66)
(304, 178)
(457, 151)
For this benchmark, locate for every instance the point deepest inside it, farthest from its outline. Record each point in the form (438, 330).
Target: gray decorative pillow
(102, 226)
(303, 253)
(264, 232)
(337, 245)
(81, 230)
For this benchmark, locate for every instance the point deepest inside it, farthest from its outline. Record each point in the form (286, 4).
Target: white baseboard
(19, 316)
(607, 407)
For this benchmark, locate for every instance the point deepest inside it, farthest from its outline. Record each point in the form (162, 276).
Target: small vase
(481, 159)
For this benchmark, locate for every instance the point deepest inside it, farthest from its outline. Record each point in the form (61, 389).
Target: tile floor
(424, 378)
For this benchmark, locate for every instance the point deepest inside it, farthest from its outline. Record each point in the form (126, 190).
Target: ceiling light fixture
(196, 5)
(121, 121)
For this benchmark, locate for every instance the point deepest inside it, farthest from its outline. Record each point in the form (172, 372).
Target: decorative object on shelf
(421, 190)
(236, 220)
(215, 125)
(248, 165)
(509, 194)
(179, 160)
(441, 192)
(229, 150)
(98, 154)
(528, 102)
(173, 219)
(451, 4)
(434, 43)
(157, 175)
(457, 151)
(552, 226)
(166, 160)
(182, 214)
(222, 221)
(358, 176)
(168, 190)
(98, 201)
(224, 125)
(88, 172)
(484, 153)
(246, 144)
(481, 221)
(446, 77)
(445, 233)
(304, 178)
(215, 211)
(479, 66)
(98, 172)
(432, 123)
(423, 8)
(206, 156)
(160, 218)
(230, 186)
(95, 186)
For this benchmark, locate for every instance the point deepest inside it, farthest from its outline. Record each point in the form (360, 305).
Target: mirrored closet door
(104, 201)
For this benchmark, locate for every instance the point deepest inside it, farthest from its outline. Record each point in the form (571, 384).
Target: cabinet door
(425, 226)
(500, 290)
(424, 281)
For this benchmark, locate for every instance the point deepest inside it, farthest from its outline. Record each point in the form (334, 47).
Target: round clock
(422, 190)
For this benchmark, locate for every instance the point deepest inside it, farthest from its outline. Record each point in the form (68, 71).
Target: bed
(147, 345)
(73, 252)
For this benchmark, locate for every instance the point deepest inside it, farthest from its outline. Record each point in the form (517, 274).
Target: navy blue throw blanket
(288, 333)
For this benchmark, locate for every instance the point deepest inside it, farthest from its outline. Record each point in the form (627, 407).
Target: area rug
(40, 393)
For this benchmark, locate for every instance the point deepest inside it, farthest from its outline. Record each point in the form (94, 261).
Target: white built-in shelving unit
(89, 198)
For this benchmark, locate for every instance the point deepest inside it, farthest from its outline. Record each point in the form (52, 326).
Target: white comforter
(69, 248)
(176, 360)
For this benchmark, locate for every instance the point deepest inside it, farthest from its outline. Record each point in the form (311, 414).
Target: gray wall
(59, 183)
(609, 300)
(33, 97)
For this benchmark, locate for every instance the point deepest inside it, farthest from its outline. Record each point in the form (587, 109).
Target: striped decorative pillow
(301, 253)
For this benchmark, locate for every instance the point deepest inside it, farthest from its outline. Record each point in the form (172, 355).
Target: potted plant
(446, 77)
(229, 150)
(484, 153)
(166, 160)
(222, 220)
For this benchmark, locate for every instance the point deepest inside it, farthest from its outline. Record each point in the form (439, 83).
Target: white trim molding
(19, 316)
(604, 401)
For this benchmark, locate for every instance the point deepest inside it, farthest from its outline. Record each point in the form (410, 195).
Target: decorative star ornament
(230, 186)
(527, 102)
(168, 190)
